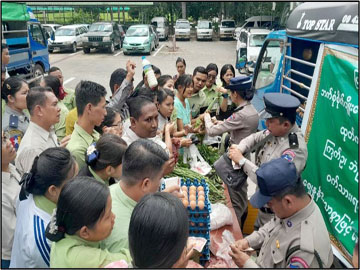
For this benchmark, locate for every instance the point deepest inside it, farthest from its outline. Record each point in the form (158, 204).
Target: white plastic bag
(220, 216)
(197, 162)
(224, 247)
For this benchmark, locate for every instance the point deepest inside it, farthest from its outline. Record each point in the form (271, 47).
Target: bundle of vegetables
(216, 190)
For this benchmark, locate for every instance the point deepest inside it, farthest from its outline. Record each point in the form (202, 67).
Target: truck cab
(316, 60)
(27, 41)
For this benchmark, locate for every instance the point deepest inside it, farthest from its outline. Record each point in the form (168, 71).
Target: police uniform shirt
(274, 148)
(305, 229)
(240, 124)
(14, 123)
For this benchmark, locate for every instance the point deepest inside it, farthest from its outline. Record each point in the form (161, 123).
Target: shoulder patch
(299, 261)
(289, 155)
(231, 117)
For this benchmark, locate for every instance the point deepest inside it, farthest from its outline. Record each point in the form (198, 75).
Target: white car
(254, 22)
(68, 37)
(204, 30)
(182, 29)
(227, 28)
(248, 46)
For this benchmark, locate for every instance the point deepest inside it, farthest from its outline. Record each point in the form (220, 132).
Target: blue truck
(26, 40)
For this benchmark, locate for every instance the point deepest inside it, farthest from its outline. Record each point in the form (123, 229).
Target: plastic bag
(210, 140)
(197, 162)
(220, 216)
(224, 248)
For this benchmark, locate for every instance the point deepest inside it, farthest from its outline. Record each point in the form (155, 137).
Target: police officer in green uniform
(243, 122)
(297, 236)
(15, 121)
(285, 140)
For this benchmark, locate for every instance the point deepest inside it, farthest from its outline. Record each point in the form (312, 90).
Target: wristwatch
(225, 95)
(242, 162)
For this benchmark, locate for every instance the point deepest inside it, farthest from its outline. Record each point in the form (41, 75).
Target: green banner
(331, 174)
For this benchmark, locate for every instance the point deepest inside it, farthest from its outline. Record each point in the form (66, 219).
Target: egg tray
(200, 233)
(207, 205)
(196, 218)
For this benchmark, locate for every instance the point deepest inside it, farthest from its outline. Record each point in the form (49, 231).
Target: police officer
(15, 121)
(243, 122)
(297, 237)
(285, 140)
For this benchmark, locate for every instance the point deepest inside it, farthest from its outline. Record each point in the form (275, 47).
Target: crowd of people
(81, 175)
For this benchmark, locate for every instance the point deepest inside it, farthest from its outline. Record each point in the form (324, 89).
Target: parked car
(68, 37)
(182, 29)
(104, 35)
(139, 38)
(227, 28)
(162, 27)
(256, 22)
(204, 30)
(248, 47)
(157, 40)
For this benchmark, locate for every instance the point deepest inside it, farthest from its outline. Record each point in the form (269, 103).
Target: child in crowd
(10, 192)
(166, 81)
(158, 232)
(38, 197)
(104, 159)
(112, 123)
(54, 83)
(82, 219)
(180, 67)
(15, 119)
(184, 86)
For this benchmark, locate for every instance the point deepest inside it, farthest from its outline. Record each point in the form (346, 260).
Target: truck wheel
(112, 48)
(38, 70)
(73, 49)
(86, 50)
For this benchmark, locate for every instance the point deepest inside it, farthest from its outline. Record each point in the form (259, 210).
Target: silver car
(182, 29)
(204, 30)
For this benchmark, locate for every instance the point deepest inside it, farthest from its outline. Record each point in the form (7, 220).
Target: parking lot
(98, 65)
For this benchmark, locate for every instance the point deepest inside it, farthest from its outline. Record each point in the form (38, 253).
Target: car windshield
(137, 32)
(228, 24)
(100, 28)
(204, 25)
(65, 32)
(183, 25)
(158, 24)
(257, 40)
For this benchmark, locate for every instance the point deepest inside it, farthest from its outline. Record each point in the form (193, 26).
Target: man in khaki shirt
(90, 103)
(297, 237)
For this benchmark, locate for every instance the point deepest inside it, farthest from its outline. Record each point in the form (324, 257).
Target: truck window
(270, 60)
(37, 34)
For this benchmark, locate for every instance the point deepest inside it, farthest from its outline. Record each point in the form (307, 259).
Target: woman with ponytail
(82, 219)
(40, 189)
(104, 159)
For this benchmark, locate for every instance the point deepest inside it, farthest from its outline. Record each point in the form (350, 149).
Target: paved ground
(98, 66)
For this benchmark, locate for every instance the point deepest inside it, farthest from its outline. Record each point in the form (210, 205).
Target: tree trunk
(172, 18)
(222, 10)
(111, 14)
(183, 9)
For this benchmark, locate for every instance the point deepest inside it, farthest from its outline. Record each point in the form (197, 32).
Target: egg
(200, 188)
(192, 188)
(201, 198)
(193, 205)
(201, 192)
(184, 188)
(192, 197)
(201, 224)
(185, 202)
(192, 224)
(192, 192)
(201, 205)
(185, 194)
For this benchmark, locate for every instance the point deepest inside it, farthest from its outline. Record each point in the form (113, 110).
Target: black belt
(266, 210)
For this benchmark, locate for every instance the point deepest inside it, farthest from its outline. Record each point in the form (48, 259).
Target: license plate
(57, 48)
(95, 44)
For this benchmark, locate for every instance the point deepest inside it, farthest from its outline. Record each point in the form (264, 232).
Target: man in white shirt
(40, 135)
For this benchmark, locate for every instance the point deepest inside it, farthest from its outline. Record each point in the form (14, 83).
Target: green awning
(14, 12)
